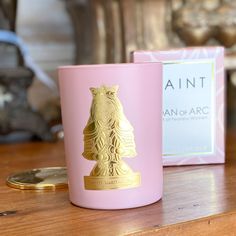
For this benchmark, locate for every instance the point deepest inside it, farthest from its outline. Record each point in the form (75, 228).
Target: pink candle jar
(112, 118)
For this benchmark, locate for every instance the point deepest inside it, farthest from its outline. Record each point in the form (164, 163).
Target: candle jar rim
(87, 66)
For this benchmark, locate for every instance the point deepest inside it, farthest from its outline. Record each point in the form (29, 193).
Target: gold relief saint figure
(108, 137)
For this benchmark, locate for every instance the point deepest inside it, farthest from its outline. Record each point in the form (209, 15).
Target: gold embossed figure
(108, 136)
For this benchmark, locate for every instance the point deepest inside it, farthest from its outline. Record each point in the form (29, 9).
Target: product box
(193, 104)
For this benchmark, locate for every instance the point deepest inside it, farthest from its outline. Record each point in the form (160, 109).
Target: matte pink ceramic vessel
(112, 117)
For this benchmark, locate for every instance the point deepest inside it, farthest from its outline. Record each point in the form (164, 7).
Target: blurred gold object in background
(107, 31)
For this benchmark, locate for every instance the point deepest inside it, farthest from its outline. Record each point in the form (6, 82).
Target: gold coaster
(49, 178)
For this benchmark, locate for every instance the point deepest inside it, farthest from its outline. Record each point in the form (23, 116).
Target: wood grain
(198, 200)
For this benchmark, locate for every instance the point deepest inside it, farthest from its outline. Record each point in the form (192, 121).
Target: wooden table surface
(198, 200)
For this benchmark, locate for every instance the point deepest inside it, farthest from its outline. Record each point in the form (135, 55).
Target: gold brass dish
(49, 178)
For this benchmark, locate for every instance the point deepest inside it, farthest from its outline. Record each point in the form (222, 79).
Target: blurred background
(50, 33)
